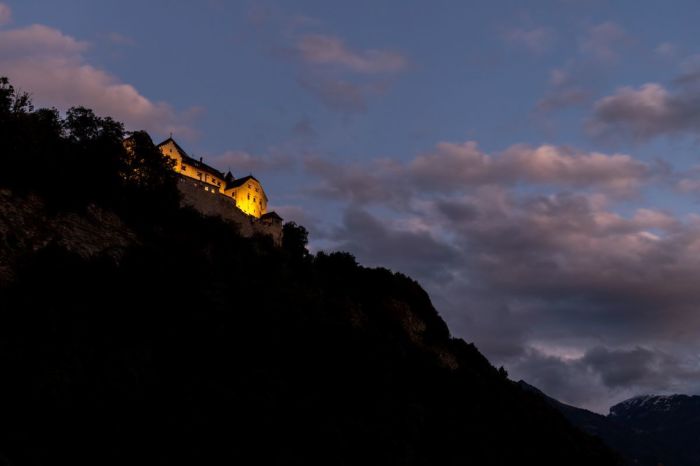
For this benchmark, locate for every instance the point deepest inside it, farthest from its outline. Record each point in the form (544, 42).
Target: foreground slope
(193, 344)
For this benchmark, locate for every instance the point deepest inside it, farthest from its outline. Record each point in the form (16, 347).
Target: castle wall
(209, 202)
(249, 197)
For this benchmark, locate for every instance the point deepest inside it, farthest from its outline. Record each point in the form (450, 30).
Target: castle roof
(198, 164)
(244, 180)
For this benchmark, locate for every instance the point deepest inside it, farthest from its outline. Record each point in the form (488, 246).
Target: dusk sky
(534, 165)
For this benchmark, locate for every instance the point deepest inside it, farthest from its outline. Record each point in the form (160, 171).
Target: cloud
(242, 162)
(462, 167)
(370, 238)
(603, 375)
(573, 83)
(5, 14)
(537, 40)
(646, 112)
(353, 183)
(52, 66)
(454, 165)
(603, 41)
(526, 254)
(326, 63)
(666, 50)
(337, 94)
(318, 49)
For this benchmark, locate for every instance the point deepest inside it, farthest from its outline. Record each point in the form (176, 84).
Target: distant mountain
(646, 430)
(673, 422)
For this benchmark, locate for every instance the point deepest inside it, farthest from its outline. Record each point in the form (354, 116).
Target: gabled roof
(241, 181)
(191, 161)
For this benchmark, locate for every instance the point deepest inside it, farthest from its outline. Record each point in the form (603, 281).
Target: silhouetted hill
(646, 430)
(136, 332)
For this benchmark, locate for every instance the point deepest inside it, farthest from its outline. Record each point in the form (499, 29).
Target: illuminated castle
(240, 200)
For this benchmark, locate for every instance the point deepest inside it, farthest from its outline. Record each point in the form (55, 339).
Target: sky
(532, 164)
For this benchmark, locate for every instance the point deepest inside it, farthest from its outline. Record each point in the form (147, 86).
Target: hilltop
(136, 331)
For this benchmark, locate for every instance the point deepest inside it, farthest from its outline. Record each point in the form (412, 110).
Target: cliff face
(27, 225)
(181, 342)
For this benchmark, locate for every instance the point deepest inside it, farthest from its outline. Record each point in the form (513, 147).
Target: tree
(295, 239)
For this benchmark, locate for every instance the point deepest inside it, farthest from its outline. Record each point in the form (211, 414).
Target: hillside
(136, 332)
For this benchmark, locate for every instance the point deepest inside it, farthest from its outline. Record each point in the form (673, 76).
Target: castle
(239, 200)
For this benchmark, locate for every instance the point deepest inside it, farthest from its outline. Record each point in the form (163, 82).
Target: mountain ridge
(646, 429)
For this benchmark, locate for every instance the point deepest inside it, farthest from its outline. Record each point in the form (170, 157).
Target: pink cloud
(50, 64)
(5, 14)
(452, 166)
(320, 49)
(463, 167)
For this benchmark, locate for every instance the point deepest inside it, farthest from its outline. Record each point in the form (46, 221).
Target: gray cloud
(337, 94)
(557, 286)
(603, 376)
(648, 111)
(404, 248)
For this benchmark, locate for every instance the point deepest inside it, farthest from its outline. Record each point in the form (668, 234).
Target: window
(248, 196)
(250, 186)
(184, 168)
(253, 200)
(199, 174)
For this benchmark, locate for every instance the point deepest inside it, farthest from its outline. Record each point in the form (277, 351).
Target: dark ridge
(163, 337)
